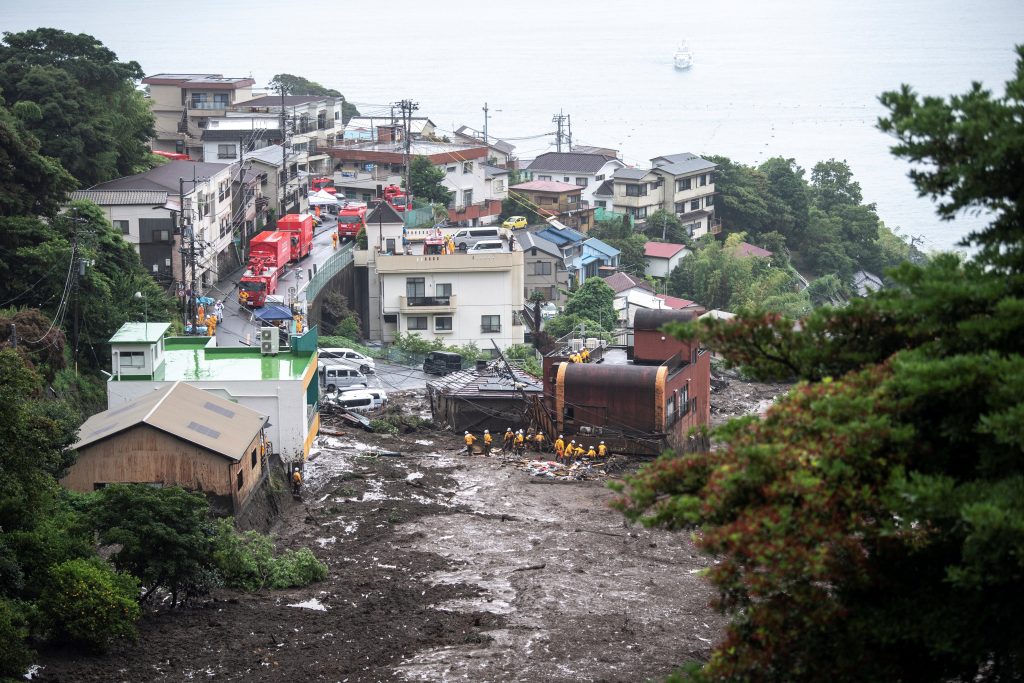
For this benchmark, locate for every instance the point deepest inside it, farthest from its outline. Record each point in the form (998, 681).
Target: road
(239, 328)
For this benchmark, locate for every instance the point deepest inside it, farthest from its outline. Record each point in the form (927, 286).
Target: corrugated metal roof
(122, 197)
(197, 416)
(139, 333)
(631, 173)
(606, 249)
(570, 162)
(494, 381)
(547, 186)
(679, 164)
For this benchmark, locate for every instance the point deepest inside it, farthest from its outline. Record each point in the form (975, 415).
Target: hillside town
(313, 393)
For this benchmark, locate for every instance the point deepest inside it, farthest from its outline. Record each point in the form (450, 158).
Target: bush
(246, 561)
(344, 342)
(89, 603)
(15, 654)
(414, 344)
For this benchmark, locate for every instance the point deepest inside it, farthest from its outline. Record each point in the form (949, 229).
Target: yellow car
(514, 222)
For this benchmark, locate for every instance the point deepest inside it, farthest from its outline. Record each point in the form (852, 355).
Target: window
(693, 404)
(541, 268)
(450, 169)
(132, 359)
(443, 289)
(683, 184)
(565, 179)
(601, 204)
(572, 199)
(636, 190)
(695, 205)
(443, 323)
(252, 459)
(161, 235)
(637, 212)
(239, 481)
(499, 185)
(227, 152)
(490, 323)
(467, 197)
(599, 178)
(582, 182)
(417, 322)
(703, 180)
(543, 177)
(415, 286)
(709, 200)
(684, 403)
(122, 226)
(467, 167)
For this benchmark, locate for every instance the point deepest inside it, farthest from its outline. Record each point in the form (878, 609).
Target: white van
(334, 376)
(350, 358)
(356, 401)
(487, 247)
(467, 237)
(380, 397)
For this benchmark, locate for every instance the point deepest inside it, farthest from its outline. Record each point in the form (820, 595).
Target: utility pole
(557, 119)
(181, 249)
(284, 158)
(485, 124)
(407, 107)
(568, 119)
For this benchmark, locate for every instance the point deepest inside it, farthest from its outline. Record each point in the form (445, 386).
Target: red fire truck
(351, 218)
(397, 198)
(269, 252)
(299, 227)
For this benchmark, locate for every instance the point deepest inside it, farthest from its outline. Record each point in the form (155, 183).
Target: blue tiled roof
(598, 245)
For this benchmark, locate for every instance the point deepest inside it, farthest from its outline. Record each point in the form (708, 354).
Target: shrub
(89, 603)
(246, 561)
(296, 568)
(15, 654)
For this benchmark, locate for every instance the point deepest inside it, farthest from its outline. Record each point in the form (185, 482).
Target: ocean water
(791, 78)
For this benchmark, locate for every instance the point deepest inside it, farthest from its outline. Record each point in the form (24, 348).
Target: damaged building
(491, 396)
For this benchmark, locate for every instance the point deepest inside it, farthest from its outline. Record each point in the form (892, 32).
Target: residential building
(281, 386)
(545, 268)
(585, 169)
(748, 250)
(210, 213)
(226, 140)
(371, 128)
(604, 195)
(637, 192)
(146, 220)
(362, 168)
(688, 188)
(678, 304)
(457, 298)
(555, 199)
(499, 152)
(176, 435)
(312, 122)
(481, 398)
(598, 258)
(624, 282)
(183, 103)
(865, 282)
(570, 243)
(661, 258)
(267, 162)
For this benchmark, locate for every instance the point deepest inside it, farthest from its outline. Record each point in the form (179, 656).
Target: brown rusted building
(641, 407)
(175, 436)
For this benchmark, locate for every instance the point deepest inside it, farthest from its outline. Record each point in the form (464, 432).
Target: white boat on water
(683, 58)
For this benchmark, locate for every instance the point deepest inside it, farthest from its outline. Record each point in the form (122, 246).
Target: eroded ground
(442, 567)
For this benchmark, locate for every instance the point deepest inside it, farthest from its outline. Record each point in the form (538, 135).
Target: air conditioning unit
(576, 345)
(593, 343)
(270, 341)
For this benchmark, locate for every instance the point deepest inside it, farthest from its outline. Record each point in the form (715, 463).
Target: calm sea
(792, 78)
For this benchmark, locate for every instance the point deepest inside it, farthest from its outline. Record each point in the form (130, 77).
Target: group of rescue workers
(518, 442)
(580, 356)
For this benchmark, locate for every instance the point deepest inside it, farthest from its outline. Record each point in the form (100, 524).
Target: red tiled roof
(547, 186)
(675, 302)
(747, 249)
(662, 249)
(620, 282)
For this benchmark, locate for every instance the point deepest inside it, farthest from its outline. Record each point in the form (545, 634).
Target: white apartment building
(226, 140)
(457, 298)
(314, 123)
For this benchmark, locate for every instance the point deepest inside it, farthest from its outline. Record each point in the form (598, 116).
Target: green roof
(140, 333)
(197, 359)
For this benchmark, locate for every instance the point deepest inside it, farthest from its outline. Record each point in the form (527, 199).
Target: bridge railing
(328, 269)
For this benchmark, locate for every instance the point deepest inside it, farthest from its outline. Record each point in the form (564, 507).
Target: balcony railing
(428, 300)
(419, 305)
(193, 104)
(490, 329)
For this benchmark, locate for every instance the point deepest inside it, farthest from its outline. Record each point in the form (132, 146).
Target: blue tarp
(273, 312)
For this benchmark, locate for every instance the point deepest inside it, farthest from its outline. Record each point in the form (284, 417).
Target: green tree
(593, 299)
(631, 256)
(425, 181)
(833, 184)
(79, 101)
(87, 603)
(30, 183)
(297, 85)
(870, 527)
(161, 535)
(789, 192)
(665, 226)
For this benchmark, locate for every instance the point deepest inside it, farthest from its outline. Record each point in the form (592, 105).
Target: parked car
(442, 362)
(515, 222)
(486, 246)
(548, 311)
(380, 397)
(335, 376)
(349, 357)
(467, 237)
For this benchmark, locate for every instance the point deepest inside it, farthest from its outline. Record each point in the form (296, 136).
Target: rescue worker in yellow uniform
(559, 447)
(296, 482)
(584, 356)
(579, 451)
(570, 450)
(520, 442)
(470, 440)
(334, 239)
(538, 441)
(487, 442)
(508, 439)
(591, 453)
(602, 450)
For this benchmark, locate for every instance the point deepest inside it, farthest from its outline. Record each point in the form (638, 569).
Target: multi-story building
(585, 169)
(546, 272)
(226, 140)
(210, 212)
(688, 190)
(268, 162)
(456, 298)
(183, 103)
(499, 151)
(555, 199)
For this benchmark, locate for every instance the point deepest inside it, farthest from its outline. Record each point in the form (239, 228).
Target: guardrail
(328, 269)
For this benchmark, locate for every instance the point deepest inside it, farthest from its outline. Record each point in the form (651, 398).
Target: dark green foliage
(871, 526)
(297, 85)
(337, 318)
(563, 324)
(425, 181)
(162, 535)
(593, 299)
(72, 93)
(361, 240)
(247, 561)
(665, 226)
(15, 654)
(30, 183)
(87, 603)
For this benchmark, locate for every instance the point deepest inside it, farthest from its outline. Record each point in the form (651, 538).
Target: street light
(145, 310)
